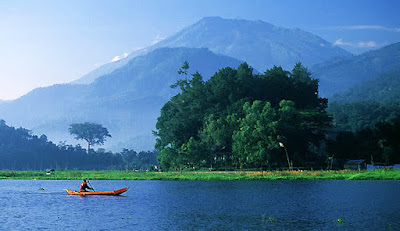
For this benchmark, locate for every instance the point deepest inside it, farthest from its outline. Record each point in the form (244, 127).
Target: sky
(47, 42)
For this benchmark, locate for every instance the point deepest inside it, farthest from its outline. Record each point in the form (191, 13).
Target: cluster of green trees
(20, 150)
(378, 143)
(237, 119)
(141, 161)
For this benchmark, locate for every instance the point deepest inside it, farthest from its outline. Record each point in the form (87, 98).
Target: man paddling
(84, 186)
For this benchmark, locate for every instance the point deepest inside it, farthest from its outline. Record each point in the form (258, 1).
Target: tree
(91, 132)
(184, 68)
(237, 118)
(182, 83)
(389, 136)
(167, 158)
(216, 135)
(255, 144)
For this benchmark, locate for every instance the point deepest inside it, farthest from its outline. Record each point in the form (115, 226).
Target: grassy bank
(204, 175)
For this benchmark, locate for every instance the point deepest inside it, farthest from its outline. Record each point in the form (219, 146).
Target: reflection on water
(177, 205)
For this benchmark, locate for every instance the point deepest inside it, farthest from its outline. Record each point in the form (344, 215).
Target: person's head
(84, 180)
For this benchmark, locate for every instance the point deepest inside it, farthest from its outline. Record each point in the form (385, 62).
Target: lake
(202, 205)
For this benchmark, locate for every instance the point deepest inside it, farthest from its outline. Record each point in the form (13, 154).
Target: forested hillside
(366, 120)
(357, 116)
(366, 104)
(385, 88)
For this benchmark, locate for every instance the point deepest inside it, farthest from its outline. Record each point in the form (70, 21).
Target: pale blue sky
(48, 42)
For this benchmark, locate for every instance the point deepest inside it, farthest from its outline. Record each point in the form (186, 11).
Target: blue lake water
(201, 205)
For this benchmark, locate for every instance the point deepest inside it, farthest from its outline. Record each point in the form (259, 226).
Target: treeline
(354, 117)
(20, 150)
(365, 130)
(378, 143)
(238, 119)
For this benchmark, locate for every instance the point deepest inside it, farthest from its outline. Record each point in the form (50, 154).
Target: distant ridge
(385, 88)
(340, 74)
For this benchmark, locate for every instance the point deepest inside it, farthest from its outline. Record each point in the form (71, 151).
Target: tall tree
(91, 132)
(256, 141)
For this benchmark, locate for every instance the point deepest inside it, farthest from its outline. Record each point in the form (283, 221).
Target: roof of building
(350, 162)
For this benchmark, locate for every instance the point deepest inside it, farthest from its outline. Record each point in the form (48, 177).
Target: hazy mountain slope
(385, 88)
(41, 104)
(109, 67)
(338, 75)
(126, 101)
(152, 74)
(260, 44)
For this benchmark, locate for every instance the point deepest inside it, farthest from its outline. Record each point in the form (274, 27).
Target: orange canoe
(104, 193)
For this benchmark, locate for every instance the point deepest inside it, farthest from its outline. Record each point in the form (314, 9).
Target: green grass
(205, 175)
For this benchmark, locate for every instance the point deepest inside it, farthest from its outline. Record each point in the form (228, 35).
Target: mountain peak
(214, 21)
(211, 19)
(259, 43)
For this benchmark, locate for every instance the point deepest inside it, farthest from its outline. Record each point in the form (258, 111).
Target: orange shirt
(83, 186)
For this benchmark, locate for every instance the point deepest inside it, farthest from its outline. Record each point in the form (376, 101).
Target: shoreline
(204, 175)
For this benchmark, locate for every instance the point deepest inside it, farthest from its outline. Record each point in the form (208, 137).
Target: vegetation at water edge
(205, 175)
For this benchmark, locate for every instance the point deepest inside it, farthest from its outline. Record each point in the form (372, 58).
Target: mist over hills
(126, 101)
(260, 44)
(339, 74)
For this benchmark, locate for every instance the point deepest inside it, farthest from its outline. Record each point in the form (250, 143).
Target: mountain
(260, 44)
(127, 101)
(340, 74)
(110, 67)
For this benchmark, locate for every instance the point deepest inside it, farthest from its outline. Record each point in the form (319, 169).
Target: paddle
(91, 186)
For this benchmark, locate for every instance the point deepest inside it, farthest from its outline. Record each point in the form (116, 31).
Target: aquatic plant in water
(269, 219)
